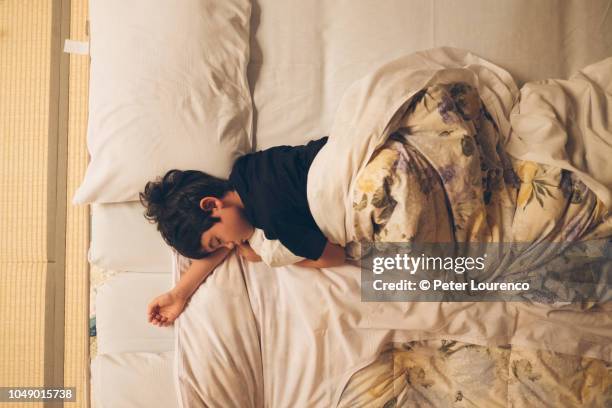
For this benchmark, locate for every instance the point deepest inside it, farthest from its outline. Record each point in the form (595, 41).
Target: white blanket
(256, 336)
(566, 123)
(292, 337)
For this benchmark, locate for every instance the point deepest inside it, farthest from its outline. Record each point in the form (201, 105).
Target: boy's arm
(197, 272)
(165, 308)
(333, 255)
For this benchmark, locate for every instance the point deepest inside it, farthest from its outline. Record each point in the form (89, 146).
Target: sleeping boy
(204, 217)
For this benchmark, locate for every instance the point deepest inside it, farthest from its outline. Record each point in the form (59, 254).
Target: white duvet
(560, 123)
(291, 337)
(256, 336)
(368, 113)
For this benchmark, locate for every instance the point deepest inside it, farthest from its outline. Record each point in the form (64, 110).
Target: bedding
(566, 123)
(168, 89)
(450, 152)
(319, 344)
(473, 156)
(218, 358)
(121, 321)
(296, 336)
(123, 240)
(442, 373)
(305, 55)
(135, 380)
(447, 164)
(370, 111)
(97, 278)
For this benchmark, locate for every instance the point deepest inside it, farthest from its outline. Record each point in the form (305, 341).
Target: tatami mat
(25, 33)
(76, 355)
(25, 208)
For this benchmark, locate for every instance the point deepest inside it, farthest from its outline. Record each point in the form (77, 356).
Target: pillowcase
(123, 240)
(135, 380)
(121, 314)
(168, 89)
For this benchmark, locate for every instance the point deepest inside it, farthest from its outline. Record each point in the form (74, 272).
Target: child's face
(232, 228)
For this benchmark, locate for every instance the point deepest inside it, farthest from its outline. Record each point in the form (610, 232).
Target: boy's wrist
(180, 293)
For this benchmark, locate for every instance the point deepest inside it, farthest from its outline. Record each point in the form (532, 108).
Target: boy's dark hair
(173, 202)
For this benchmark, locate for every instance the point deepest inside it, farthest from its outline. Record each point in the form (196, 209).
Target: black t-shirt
(272, 186)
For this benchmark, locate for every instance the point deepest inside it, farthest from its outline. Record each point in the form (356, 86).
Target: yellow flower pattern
(445, 373)
(444, 176)
(447, 163)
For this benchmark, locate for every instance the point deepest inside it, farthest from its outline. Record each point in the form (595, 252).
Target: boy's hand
(164, 309)
(245, 251)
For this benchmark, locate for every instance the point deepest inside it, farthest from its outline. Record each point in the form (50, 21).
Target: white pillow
(168, 89)
(121, 314)
(123, 240)
(134, 380)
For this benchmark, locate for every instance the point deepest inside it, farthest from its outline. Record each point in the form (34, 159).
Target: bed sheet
(304, 55)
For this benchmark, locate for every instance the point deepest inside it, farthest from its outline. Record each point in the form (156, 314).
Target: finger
(151, 307)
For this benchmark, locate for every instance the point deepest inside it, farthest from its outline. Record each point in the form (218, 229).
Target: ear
(210, 203)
